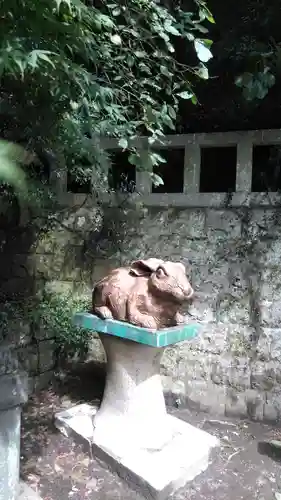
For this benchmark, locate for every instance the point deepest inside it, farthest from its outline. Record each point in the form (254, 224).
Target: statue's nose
(188, 292)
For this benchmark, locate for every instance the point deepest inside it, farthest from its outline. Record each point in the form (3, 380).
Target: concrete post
(13, 393)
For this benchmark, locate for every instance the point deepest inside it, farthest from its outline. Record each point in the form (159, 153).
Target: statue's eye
(160, 273)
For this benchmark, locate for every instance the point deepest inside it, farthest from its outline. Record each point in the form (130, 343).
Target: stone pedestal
(133, 403)
(13, 393)
(131, 431)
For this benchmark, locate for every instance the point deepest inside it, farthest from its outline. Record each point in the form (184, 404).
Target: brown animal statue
(148, 293)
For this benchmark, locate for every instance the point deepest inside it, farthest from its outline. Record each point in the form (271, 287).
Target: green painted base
(159, 338)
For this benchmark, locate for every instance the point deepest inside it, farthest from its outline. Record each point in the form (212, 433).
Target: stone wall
(19, 278)
(234, 367)
(232, 256)
(35, 353)
(231, 246)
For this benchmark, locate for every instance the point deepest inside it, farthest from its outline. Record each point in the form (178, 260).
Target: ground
(245, 467)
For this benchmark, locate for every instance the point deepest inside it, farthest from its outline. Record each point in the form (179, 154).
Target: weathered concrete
(27, 493)
(13, 393)
(155, 472)
(9, 450)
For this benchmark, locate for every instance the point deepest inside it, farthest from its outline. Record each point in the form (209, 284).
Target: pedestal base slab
(156, 474)
(27, 493)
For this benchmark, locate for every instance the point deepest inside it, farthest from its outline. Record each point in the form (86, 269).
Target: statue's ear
(145, 267)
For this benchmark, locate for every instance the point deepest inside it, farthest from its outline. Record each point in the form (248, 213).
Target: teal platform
(159, 338)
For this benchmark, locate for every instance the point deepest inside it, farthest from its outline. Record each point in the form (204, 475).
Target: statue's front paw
(103, 312)
(151, 325)
(181, 319)
(145, 322)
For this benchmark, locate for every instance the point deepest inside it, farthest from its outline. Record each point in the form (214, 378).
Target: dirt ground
(245, 467)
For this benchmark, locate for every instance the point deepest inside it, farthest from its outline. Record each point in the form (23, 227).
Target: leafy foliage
(255, 85)
(11, 157)
(51, 314)
(250, 44)
(72, 72)
(54, 313)
(261, 61)
(246, 51)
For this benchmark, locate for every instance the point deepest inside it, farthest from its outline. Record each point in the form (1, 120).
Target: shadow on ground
(58, 468)
(82, 382)
(270, 450)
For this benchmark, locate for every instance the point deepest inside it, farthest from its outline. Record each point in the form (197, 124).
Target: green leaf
(271, 80)
(190, 37)
(116, 12)
(145, 68)
(116, 39)
(211, 19)
(255, 85)
(58, 3)
(130, 61)
(185, 95)
(171, 29)
(35, 55)
(170, 47)
(164, 70)
(44, 55)
(11, 155)
(203, 53)
(105, 21)
(207, 42)
(133, 159)
(201, 28)
(206, 13)
(156, 179)
(12, 174)
(172, 112)
(21, 65)
(164, 36)
(167, 121)
(156, 159)
(244, 79)
(151, 140)
(150, 113)
(203, 72)
(73, 5)
(123, 143)
(147, 98)
(266, 77)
